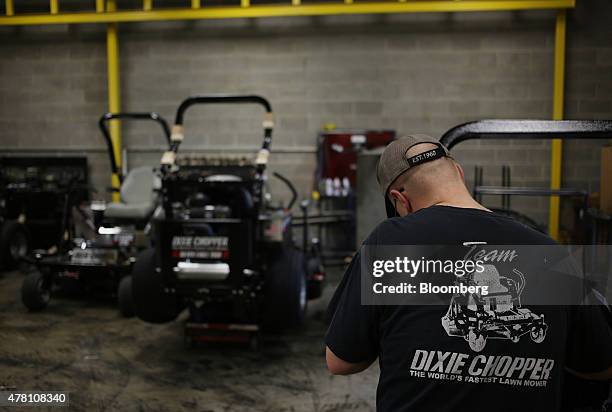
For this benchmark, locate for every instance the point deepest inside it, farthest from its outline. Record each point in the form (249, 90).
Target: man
(423, 367)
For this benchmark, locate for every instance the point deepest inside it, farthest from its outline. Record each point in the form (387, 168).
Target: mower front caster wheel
(477, 340)
(538, 333)
(35, 292)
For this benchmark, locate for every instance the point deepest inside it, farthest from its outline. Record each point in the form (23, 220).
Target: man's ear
(399, 198)
(460, 170)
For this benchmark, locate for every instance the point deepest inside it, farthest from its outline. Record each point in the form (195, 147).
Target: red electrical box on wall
(337, 151)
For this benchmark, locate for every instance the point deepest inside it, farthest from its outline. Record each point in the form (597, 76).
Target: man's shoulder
(442, 224)
(388, 230)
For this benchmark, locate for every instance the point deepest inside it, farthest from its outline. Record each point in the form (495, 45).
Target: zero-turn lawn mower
(497, 315)
(32, 192)
(223, 250)
(99, 243)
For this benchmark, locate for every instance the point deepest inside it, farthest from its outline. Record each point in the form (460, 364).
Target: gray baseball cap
(393, 162)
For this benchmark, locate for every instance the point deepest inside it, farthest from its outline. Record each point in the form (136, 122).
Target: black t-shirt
(423, 367)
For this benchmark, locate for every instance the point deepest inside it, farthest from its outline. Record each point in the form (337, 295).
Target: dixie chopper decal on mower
(223, 250)
(200, 247)
(498, 314)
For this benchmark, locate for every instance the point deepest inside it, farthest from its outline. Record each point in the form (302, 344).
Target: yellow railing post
(245, 3)
(9, 7)
(195, 4)
(114, 91)
(99, 6)
(54, 6)
(556, 155)
(147, 4)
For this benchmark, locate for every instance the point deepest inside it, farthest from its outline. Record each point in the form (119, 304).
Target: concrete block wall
(413, 73)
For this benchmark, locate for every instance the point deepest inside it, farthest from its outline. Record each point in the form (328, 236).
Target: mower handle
(528, 129)
(290, 186)
(268, 123)
(106, 117)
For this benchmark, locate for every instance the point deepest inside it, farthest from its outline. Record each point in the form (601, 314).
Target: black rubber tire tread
(33, 294)
(285, 280)
(151, 303)
(7, 233)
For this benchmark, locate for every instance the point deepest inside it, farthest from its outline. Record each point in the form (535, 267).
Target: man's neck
(463, 200)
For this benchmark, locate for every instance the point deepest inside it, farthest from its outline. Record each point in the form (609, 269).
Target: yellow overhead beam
(282, 10)
(556, 155)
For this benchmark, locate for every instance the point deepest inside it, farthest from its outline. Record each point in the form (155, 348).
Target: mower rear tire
(14, 243)
(285, 290)
(35, 293)
(151, 302)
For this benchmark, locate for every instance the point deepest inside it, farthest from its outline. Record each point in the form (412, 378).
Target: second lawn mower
(99, 242)
(223, 249)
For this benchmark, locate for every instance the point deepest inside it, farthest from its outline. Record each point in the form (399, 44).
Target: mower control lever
(290, 186)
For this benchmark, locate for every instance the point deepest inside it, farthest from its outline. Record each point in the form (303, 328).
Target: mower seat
(490, 277)
(138, 196)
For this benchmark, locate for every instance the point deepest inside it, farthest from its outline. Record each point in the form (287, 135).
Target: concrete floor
(110, 363)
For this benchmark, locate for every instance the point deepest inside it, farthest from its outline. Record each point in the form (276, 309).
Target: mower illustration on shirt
(498, 314)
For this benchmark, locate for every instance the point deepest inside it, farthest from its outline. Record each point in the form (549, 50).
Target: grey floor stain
(108, 363)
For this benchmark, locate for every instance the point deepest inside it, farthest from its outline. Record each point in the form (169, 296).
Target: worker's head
(417, 171)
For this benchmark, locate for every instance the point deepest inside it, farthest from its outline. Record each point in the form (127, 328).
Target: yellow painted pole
(9, 7)
(556, 155)
(99, 6)
(296, 2)
(114, 91)
(195, 4)
(147, 4)
(54, 6)
(245, 3)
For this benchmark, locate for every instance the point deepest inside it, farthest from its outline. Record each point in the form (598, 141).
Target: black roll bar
(528, 129)
(222, 99)
(106, 117)
(521, 129)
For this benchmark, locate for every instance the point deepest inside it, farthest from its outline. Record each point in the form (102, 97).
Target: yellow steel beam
(281, 10)
(114, 92)
(556, 155)
(9, 7)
